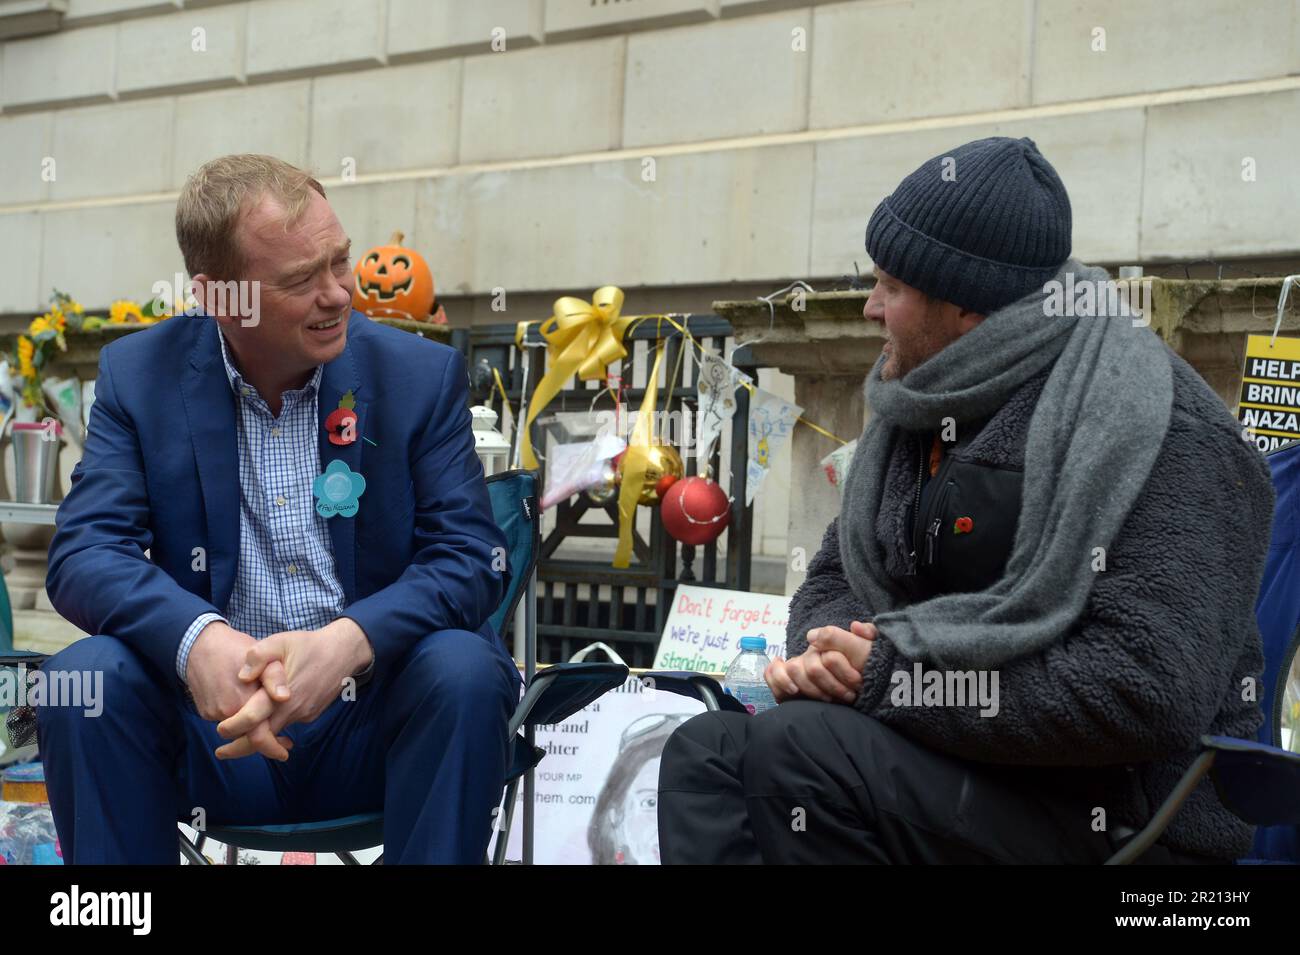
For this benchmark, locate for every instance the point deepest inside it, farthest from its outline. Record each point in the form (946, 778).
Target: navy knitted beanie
(980, 226)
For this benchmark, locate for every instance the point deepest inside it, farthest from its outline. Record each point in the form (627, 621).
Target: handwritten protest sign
(704, 627)
(598, 785)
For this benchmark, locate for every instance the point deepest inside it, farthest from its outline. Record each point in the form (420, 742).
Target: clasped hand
(255, 688)
(830, 670)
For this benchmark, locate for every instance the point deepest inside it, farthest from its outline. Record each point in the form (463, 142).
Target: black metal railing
(581, 601)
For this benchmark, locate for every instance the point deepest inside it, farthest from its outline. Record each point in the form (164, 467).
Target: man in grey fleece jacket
(1066, 746)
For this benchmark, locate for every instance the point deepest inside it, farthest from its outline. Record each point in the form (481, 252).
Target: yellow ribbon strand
(701, 349)
(582, 338)
(505, 404)
(802, 420)
(501, 388)
(634, 465)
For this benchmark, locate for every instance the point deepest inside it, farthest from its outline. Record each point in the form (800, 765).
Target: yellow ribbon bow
(635, 459)
(582, 337)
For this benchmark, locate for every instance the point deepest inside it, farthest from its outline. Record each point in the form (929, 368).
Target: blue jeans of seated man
(426, 743)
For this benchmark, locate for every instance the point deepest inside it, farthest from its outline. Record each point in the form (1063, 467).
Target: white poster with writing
(705, 624)
(597, 787)
(716, 383)
(771, 419)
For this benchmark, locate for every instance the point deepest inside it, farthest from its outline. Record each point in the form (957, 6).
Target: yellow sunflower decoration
(46, 335)
(123, 311)
(26, 351)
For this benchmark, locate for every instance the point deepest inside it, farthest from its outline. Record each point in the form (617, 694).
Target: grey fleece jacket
(1110, 715)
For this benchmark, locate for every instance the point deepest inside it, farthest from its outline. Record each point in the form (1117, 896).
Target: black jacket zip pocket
(933, 531)
(988, 499)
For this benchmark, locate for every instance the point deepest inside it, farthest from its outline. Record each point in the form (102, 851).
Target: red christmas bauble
(695, 510)
(664, 483)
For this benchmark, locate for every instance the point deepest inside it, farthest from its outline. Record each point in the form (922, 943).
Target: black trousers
(820, 783)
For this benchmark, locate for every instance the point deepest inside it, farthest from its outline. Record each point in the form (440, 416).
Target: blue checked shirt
(286, 578)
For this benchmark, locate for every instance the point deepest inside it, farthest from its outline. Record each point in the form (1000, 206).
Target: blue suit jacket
(160, 473)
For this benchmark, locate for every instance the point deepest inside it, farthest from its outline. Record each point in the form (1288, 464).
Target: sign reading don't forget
(704, 627)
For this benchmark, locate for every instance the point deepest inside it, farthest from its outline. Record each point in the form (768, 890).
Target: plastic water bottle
(744, 679)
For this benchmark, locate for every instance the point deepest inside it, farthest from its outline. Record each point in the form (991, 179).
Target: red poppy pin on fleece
(341, 425)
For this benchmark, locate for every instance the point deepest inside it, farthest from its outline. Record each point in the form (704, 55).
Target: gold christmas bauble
(607, 489)
(660, 460)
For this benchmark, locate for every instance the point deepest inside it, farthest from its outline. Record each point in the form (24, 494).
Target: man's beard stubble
(900, 361)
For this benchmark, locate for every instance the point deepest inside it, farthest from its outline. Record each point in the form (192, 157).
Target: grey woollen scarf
(1092, 440)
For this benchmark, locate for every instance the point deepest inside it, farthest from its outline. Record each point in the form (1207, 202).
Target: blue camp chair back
(9, 656)
(515, 507)
(1278, 614)
(6, 618)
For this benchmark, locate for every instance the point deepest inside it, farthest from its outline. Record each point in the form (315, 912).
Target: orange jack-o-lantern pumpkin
(392, 281)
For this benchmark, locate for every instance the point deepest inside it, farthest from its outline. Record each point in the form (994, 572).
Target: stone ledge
(827, 337)
(25, 18)
(33, 77)
(1181, 310)
(405, 37)
(82, 356)
(569, 20)
(1203, 320)
(84, 13)
(1209, 306)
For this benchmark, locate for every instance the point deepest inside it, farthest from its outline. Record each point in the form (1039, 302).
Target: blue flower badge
(337, 490)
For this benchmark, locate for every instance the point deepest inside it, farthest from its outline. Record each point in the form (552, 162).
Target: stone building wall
(686, 150)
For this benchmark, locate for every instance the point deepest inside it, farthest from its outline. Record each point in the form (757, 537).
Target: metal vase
(36, 464)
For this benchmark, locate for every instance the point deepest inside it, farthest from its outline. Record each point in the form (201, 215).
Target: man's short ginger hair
(219, 193)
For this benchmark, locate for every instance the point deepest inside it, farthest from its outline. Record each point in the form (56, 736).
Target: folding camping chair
(21, 724)
(1257, 780)
(553, 695)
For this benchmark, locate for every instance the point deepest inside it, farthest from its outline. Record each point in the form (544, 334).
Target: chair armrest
(1258, 783)
(1154, 829)
(559, 691)
(26, 657)
(699, 686)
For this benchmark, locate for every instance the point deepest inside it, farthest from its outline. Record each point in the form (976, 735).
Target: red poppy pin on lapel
(963, 525)
(341, 425)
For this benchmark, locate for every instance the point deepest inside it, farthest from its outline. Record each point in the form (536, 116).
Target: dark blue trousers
(425, 743)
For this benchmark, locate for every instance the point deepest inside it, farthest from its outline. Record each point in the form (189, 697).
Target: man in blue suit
(281, 536)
